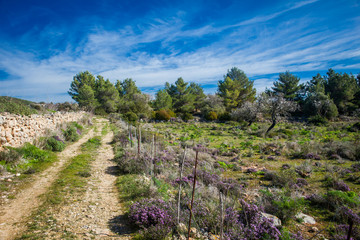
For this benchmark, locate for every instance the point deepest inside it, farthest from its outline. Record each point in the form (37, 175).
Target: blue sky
(43, 44)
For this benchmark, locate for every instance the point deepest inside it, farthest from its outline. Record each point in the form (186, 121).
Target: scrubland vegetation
(282, 164)
(298, 168)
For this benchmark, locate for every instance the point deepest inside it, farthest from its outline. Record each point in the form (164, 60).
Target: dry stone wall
(15, 130)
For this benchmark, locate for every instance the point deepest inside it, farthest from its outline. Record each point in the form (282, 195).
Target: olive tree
(274, 107)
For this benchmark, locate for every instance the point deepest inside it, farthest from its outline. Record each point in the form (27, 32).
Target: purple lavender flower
(340, 185)
(251, 170)
(57, 138)
(300, 182)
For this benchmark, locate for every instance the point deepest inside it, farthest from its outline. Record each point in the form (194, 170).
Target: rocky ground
(96, 214)
(93, 214)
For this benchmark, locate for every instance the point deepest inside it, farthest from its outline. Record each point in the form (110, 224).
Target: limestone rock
(306, 218)
(276, 220)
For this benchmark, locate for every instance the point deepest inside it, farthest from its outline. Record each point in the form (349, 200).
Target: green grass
(105, 129)
(132, 188)
(17, 106)
(33, 160)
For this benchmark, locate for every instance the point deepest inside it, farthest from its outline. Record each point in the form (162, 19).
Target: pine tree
(183, 100)
(107, 95)
(287, 85)
(342, 89)
(79, 80)
(162, 100)
(236, 89)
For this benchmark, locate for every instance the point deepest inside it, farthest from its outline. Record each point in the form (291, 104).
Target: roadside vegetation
(18, 165)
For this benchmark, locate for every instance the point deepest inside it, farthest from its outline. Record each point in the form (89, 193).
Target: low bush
(54, 144)
(347, 150)
(153, 217)
(281, 204)
(225, 117)
(287, 207)
(305, 169)
(248, 223)
(71, 134)
(130, 117)
(341, 186)
(336, 198)
(317, 120)
(211, 116)
(10, 156)
(133, 187)
(162, 115)
(187, 116)
(284, 178)
(132, 164)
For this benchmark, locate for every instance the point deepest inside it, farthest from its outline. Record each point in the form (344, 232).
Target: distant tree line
(320, 99)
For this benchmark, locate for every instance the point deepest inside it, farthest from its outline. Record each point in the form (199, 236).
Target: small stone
(306, 218)
(9, 180)
(276, 220)
(18, 174)
(313, 229)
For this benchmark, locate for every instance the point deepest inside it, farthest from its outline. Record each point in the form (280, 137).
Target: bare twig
(193, 192)
(180, 185)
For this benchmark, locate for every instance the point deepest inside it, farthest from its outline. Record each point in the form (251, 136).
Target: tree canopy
(287, 85)
(236, 89)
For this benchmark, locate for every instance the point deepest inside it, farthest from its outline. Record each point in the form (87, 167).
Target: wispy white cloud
(292, 45)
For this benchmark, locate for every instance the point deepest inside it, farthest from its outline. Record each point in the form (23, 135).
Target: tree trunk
(271, 127)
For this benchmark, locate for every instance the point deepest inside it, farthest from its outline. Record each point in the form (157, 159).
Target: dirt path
(28, 200)
(97, 213)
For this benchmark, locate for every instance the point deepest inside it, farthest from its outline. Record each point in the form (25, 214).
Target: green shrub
(162, 115)
(54, 145)
(280, 204)
(130, 117)
(284, 178)
(317, 120)
(211, 116)
(10, 156)
(287, 207)
(225, 117)
(354, 128)
(100, 111)
(338, 198)
(171, 113)
(71, 134)
(77, 125)
(187, 116)
(222, 165)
